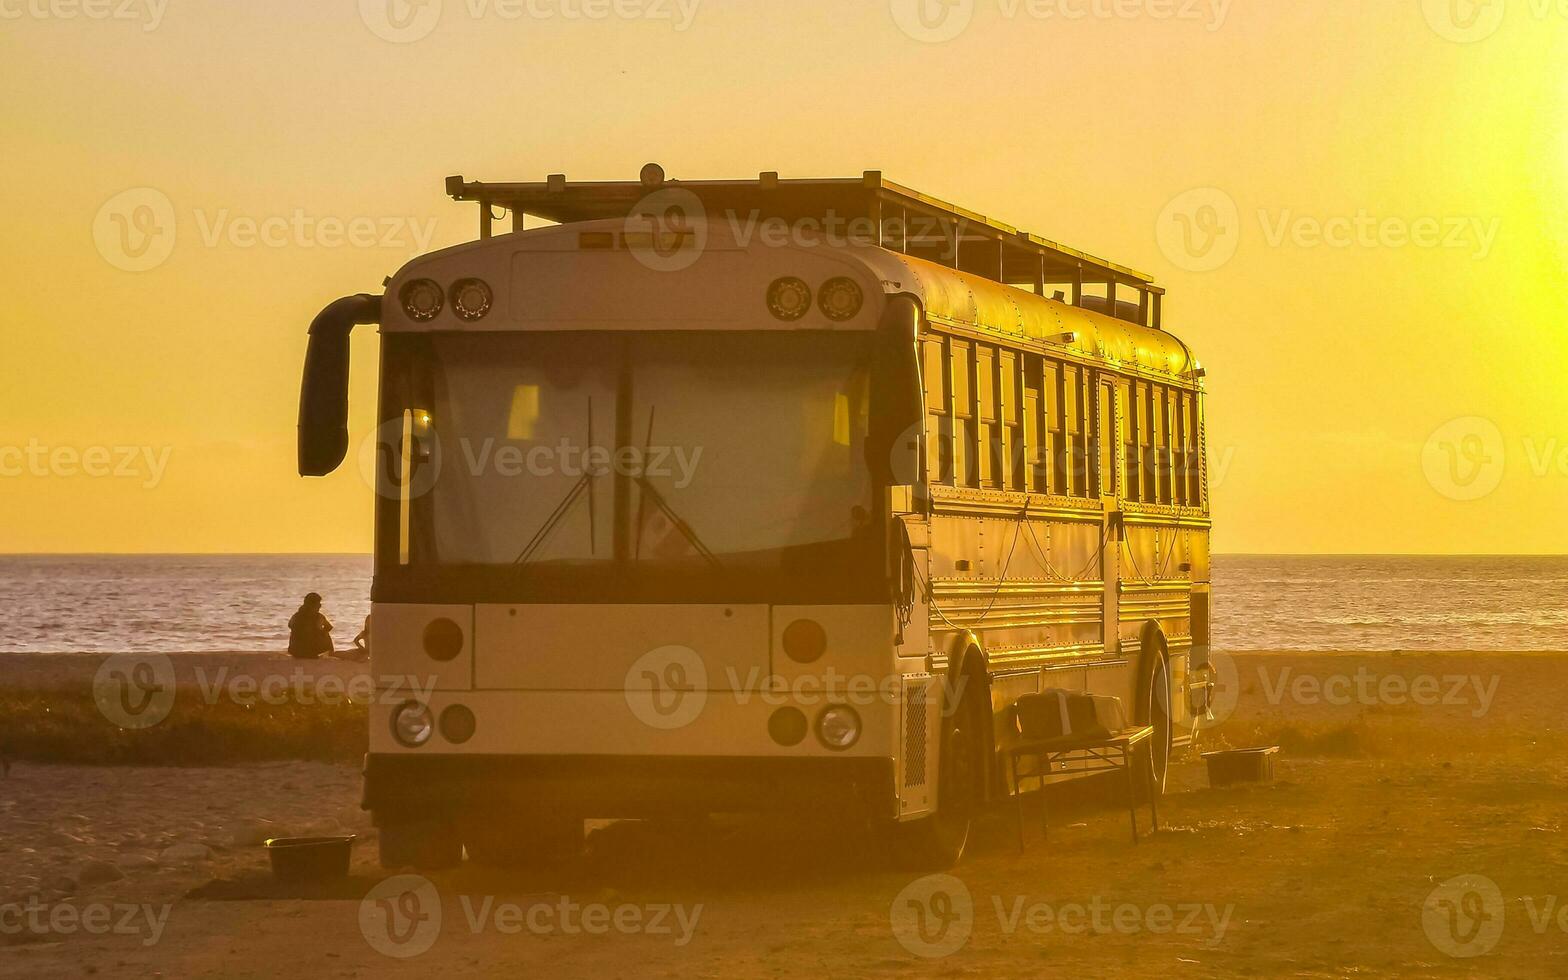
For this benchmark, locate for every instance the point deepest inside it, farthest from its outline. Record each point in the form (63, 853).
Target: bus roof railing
(869, 207)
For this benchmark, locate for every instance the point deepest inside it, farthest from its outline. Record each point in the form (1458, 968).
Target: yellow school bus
(707, 496)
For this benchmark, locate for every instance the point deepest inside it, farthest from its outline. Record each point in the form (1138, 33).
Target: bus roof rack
(869, 207)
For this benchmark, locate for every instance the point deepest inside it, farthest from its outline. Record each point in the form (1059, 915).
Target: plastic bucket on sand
(1241, 765)
(310, 858)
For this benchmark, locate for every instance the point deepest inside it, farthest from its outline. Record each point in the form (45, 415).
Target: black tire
(1154, 708)
(519, 842)
(937, 842)
(424, 845)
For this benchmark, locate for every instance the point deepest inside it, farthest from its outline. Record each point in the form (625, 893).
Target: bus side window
(1195, 487)
(1146, 445)
(1037, 455)
(1056, 429)
(964, 435)
(1167, 447)
(1183, 446)
(1008, 378)
(1132, 487)
(988, 438)
(1105, 440)
(939, 422)
(1077, 421)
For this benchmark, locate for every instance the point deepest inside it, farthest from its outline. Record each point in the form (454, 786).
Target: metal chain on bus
(928, 590)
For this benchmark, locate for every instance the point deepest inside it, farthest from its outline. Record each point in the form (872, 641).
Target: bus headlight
(471, 299)
(838, 727)
(412, 724)
(421, 299)
(841, 299)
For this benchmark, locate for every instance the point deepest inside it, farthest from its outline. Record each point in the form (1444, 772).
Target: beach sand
(1378, 803)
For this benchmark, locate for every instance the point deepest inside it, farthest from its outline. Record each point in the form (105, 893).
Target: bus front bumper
(403, 786)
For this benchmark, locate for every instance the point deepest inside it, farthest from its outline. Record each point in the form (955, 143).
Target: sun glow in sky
(1384, 327)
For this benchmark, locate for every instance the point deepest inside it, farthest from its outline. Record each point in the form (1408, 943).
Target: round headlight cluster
(424, 299)
(789, 298)
(841, 299)
(412, 724)
(838, 727)
(471, 299)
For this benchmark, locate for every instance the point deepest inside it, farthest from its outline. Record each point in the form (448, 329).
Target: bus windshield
(647, 449)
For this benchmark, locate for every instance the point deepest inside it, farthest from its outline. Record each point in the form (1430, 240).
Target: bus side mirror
(323, 396)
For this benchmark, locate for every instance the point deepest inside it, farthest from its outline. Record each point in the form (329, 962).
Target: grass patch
(66, 727)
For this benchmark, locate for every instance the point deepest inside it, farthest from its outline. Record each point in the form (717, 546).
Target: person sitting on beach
(310, 632)
(361, 648)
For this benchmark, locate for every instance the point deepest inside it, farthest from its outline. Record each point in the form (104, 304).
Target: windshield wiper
(587, 482)
(651, 493)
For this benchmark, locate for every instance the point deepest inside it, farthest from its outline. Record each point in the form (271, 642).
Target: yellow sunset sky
(1398, 171)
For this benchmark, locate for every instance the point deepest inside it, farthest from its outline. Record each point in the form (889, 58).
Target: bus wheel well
(972, 680)
(1152, 646)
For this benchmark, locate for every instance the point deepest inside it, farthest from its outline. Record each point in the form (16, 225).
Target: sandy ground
(1343, 867)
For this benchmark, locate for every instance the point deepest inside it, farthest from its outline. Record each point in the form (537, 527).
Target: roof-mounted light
(841, 299)
(422, 299)
(471, 299)
(789, 298)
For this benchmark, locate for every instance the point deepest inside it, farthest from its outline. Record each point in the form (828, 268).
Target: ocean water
(175, 604)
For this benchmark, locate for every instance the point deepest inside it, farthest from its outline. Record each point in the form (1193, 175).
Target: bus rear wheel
(1155, 710)
(937, 842)
(512, 841)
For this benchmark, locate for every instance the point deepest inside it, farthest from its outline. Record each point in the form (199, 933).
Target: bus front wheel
(937, 842)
